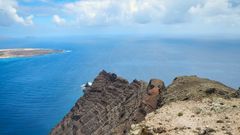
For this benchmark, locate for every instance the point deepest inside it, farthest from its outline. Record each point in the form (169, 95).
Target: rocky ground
(193, 105)
(216, 116)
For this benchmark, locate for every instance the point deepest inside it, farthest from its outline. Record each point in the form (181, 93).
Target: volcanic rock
(110, 106)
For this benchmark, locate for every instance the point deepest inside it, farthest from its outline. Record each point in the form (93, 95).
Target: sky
(86, 17)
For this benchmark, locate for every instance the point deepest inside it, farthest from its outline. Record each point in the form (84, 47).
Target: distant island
(25, 52)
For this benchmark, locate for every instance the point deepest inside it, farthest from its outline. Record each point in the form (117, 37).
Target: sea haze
(36, 92)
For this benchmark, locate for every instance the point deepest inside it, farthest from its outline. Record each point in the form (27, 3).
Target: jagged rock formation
(155, 90)
(110, 106)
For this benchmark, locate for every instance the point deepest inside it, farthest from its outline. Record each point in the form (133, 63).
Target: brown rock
(155, 90)
(220, 121)
(206, 131)
(110, 106)
(159, 130)
(195, 88)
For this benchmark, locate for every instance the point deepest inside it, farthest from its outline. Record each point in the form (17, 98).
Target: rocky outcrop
(155, 90)
(194, 88)
(193, 106)
(110, 106)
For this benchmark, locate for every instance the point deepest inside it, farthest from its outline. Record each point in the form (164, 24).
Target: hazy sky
(163, 17)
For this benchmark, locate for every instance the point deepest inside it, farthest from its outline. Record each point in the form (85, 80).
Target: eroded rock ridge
(110, 106)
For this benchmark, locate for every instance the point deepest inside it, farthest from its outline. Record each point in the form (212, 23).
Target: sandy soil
(215, 116)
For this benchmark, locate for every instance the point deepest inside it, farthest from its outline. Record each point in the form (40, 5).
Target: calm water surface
(35, 93)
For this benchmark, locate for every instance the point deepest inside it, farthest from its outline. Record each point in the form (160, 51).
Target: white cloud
(95, 12)
(222, 13)
(34, 0)
(9, 14)
(58, 20)
(112, 12)
(123, 15)
(211, 8)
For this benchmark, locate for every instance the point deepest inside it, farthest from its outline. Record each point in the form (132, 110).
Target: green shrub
(180, 114)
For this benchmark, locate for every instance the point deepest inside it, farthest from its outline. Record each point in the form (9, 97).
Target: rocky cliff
(112, 104)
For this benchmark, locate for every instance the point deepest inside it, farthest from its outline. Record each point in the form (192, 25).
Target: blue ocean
(36, 92)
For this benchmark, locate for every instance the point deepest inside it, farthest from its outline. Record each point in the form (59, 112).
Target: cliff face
(110, 106)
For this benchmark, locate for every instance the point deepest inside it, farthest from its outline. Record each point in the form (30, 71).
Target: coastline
(25, 52)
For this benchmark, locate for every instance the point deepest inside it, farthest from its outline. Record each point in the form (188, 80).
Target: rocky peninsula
(25, 52)
(190, 105)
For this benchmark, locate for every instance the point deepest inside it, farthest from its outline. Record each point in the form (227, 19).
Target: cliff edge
(112, 105)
